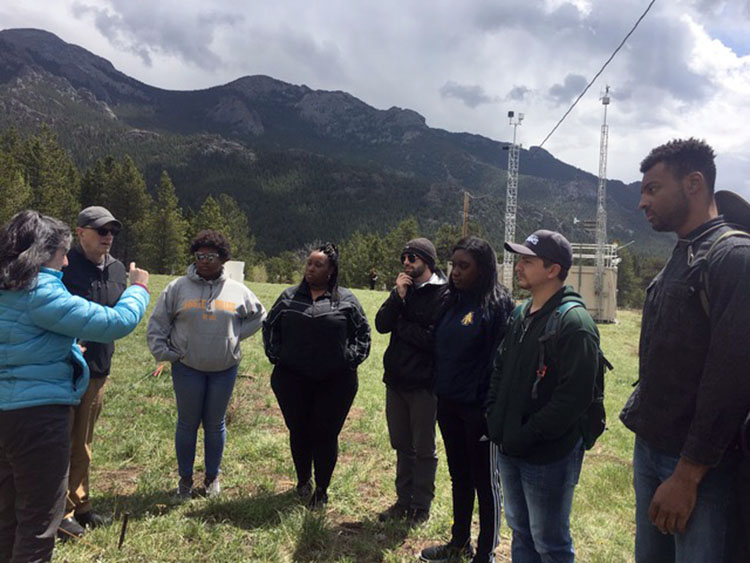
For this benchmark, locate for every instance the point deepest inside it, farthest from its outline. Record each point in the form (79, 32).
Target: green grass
(257, 517)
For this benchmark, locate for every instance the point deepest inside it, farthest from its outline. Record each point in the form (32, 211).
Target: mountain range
(304, 164)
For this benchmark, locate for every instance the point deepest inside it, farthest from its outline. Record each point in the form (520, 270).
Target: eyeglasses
(104, 231)
(206, 256)
(410, 256)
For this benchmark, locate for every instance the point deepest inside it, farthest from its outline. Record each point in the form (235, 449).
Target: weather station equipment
(597, 283)
(511, 199)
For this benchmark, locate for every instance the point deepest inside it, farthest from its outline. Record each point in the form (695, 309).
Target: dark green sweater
(544, 429)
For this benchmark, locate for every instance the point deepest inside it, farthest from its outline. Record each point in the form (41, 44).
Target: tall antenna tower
(601, 209)
(511, 200)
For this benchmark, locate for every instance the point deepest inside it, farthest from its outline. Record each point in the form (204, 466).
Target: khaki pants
(85, 416)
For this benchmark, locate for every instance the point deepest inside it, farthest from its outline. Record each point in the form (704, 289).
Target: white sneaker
(213, 489)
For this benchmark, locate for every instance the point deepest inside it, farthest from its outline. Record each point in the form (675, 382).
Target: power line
(612, 56)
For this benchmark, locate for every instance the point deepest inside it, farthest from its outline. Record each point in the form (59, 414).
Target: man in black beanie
(410, 314)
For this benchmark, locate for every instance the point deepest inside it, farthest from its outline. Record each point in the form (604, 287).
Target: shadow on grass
(262, 510)
(137, 504)
(365, 540)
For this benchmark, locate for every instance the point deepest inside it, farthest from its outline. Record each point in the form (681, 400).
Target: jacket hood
(437, 278)
(192, 274)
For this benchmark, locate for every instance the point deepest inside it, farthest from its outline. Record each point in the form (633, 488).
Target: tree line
(36, 172)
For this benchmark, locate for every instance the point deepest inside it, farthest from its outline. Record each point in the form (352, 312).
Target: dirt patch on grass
(119, 481)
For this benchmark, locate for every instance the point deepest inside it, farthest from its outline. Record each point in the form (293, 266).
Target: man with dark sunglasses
(410, 314)
(93, 274)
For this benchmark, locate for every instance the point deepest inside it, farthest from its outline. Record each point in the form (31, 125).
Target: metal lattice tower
(601, 208)
(511, 201)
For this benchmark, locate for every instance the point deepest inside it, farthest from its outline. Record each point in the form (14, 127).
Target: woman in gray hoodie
(197, 325)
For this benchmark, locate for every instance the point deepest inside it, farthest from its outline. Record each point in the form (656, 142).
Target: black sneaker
(70, 528)
(304, 491)
(447, 553)
(418, 515)
(396, 511)
(93, 519)
(319, 500)
(185, 489)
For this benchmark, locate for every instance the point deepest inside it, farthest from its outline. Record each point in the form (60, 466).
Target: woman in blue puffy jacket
(43, 374)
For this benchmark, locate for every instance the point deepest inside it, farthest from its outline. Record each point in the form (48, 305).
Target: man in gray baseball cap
(92, 273)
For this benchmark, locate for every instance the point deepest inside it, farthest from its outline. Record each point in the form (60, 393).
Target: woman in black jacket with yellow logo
(473, 323)
(316, 335)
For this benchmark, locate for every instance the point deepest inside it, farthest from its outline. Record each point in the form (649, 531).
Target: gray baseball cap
(95, 217)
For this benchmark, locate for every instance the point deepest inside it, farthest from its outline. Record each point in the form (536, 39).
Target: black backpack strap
(550, 335)
(704, 290)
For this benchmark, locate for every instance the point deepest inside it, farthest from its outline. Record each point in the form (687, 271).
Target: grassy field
(257, 518)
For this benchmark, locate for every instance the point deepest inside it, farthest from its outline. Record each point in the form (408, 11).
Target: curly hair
(27, 242)
(491, 292)
(684, 156)
(212, 239)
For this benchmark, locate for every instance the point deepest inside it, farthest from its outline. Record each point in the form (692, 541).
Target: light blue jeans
(710, 533)
(202, 398)
(537, 500)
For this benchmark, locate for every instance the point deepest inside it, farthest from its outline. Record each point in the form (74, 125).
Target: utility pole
(601, 209)
(511, 200)
(465, 224)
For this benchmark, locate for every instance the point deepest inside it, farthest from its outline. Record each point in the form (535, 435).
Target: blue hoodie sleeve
(55, 309)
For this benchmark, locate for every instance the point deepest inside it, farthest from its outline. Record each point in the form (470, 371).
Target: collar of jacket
(193, 275)
(108, 258)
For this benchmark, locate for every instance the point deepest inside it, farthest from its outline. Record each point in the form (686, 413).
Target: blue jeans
(202, 397)
(538, 500)
(711, 529)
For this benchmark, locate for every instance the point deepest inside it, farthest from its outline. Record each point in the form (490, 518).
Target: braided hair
(27, 242)
(330, 250)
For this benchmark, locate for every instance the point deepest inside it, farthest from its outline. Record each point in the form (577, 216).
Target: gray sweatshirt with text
(200, 322)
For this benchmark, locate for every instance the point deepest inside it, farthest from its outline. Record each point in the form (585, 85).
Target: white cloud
(463, 65)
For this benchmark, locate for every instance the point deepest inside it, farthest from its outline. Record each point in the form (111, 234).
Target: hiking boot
(446, 553)
(93, 519)
(304, 491)
(418, 515)
(213, 488)
(396, 511)
(185, 488)
(70, 528)
(319, 500)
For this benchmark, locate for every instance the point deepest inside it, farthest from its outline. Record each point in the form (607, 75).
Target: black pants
(314, 412)
(472, 469)
(34, 461)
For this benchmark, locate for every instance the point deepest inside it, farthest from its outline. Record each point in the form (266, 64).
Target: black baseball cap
(96, 216)
(545, 244)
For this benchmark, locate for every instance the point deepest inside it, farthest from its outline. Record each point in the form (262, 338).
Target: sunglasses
(410, 257)
(206, 256)
(104, 231)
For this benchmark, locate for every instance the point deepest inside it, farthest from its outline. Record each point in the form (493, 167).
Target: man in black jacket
(693, 388)
(94, 274)
(410, 314)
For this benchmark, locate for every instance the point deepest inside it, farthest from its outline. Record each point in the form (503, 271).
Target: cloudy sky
(462, 64)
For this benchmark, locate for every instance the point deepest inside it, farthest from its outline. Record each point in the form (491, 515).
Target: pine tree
(53, 177)
(15, 193)
(209, 217)
(128, 201)
(96, 182)
(163, 245)
(238, 234)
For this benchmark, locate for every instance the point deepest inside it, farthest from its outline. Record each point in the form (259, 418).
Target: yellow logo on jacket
(468, 318)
